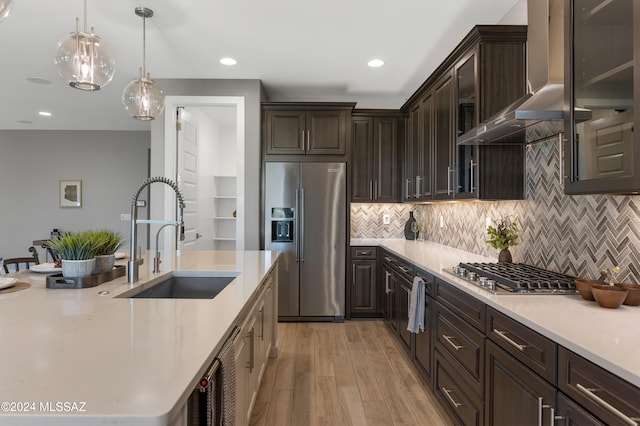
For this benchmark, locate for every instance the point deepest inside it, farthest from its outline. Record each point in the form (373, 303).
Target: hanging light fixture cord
(144, 13)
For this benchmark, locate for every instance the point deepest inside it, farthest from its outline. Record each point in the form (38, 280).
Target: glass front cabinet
(601, 87)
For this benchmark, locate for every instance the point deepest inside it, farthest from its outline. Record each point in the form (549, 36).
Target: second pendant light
(143, 99)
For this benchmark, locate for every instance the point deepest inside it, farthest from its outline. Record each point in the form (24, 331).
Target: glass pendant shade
(84, 62)
(5, 8)
(143, 99)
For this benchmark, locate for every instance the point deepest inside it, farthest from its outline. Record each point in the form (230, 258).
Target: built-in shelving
(224, 210)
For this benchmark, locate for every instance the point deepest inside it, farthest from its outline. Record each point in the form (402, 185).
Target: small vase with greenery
(502, 235)
(77, 251)
(106, 243)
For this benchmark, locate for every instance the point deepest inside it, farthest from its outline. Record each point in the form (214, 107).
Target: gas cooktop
(515, 278)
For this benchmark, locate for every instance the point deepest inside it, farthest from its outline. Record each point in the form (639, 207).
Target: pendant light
(5, 8)
(143, 99)
(82, 59)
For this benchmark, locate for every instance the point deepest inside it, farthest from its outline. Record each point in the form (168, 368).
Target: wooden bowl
(584, 287)
(609, 296)
(633, 298)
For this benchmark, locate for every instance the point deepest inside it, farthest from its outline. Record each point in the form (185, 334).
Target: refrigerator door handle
(301, 220)
(297, 219)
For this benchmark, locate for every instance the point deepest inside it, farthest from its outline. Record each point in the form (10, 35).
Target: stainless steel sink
(184, 287)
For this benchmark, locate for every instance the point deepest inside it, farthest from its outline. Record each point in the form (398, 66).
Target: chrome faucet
(134, 262)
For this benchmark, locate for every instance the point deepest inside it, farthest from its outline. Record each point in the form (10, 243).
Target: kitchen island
(83, 357)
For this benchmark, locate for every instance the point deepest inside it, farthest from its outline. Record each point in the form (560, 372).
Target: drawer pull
(447, 392)
(590, 393)
(448, 339)
(363, 252)
(403, 269)
(503, 335)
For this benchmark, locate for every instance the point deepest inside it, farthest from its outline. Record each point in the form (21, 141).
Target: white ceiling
(313, 50)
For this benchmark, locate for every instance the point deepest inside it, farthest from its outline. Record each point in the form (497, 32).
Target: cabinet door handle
(250, 335)
(472, 165)
(541, 407)
(297, 218)
(403, 269)
(407, 183)
(302, 140)
(447, 393)
(353, 274)
(561, 155)
(418, 186)
(387, 275)
(308, 140)
(301, 219)
(590, 393)
(375, 189)
(449, 190)
(503, 335)
(262, 323)
(449, 341)
(371, 189)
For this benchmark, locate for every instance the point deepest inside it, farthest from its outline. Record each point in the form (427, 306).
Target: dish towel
(227, 371)
(416, 307)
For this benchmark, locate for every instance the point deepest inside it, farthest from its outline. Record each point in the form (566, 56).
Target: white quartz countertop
(608, 337)
(116, 360)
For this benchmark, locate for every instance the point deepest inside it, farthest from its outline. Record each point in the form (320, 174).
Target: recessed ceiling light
(37, 80)
(228, 61)
(375, 63)
(45, 113)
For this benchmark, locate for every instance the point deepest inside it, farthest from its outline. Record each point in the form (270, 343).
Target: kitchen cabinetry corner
(374, 156)
(484, 74)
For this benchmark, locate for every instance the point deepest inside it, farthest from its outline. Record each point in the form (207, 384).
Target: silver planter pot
(78, 268)
(104, 263)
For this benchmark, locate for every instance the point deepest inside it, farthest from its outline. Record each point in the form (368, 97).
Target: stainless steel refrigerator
(305, 217)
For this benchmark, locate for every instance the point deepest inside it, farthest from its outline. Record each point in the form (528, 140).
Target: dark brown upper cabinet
(418, 184)
(484, 74)
(602, 75)
(374, 158)
(309, 128)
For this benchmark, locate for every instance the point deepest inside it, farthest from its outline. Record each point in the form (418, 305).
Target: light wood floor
(350, 373)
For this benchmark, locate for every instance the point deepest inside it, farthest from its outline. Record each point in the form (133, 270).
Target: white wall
(111, 165)
(252, 92)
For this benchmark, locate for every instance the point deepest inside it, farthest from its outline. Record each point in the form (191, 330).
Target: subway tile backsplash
(577, 235)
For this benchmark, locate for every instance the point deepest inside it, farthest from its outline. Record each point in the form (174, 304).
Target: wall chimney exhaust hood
(539, 114)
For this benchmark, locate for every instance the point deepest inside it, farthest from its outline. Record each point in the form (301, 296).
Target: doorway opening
(204, 153)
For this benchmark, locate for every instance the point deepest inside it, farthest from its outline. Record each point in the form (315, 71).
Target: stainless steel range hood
(539, 114)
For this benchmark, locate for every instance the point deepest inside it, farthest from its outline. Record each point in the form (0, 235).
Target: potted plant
(106, 243)
(77, 251)
(502, 235)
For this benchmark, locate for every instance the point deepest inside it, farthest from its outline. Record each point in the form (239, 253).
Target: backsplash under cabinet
(576, 235)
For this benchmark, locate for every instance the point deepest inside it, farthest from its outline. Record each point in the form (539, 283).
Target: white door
(188, 176)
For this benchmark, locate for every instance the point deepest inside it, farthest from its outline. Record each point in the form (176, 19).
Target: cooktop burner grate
(522, 278)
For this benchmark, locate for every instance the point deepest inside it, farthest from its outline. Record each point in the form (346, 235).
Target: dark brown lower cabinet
(390, 298)
(364, 301)
(404, 301)
(423, 342)
(612, 400)
(463, 405)
(515, 395)
(571, 414)
(462, 344)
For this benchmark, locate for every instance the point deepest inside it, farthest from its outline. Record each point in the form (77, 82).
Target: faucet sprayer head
(161, 179)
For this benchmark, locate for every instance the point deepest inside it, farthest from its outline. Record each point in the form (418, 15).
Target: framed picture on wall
(70, 193)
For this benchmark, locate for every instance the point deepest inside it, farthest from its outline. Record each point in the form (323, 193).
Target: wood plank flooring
(351, 373)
